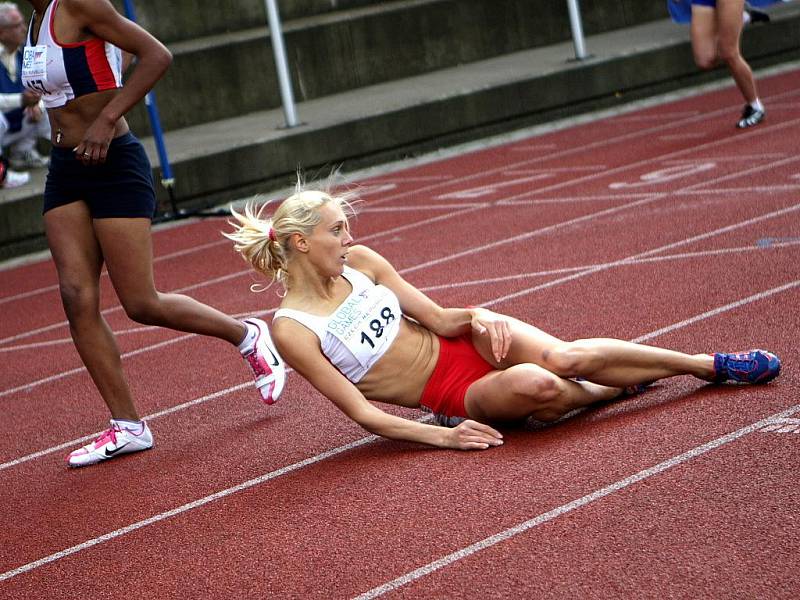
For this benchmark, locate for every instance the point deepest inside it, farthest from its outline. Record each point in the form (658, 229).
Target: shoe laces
(109, 435)
(742, 361)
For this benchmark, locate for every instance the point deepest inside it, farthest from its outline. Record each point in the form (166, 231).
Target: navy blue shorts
(709, 3)
(120, 187)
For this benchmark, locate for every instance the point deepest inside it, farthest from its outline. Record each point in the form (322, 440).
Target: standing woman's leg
(127, 247)
(729, 28)
(78, 260)
(703, 33)
(729, 33)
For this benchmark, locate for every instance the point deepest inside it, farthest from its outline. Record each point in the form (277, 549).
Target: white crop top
(360, 330)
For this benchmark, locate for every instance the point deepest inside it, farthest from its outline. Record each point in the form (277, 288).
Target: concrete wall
(228, 74)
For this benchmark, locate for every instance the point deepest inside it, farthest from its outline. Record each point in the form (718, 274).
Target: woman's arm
(300, 349)
(446, 322)
(152, 60)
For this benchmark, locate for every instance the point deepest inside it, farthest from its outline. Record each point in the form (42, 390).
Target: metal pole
(167, 180)
(284, 81)
(577, 29)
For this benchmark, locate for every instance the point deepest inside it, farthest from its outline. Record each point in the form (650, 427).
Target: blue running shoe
(756, 366)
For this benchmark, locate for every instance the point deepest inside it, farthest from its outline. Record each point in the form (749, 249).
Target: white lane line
(727, 159)
(752, 132)
(622, 261)
(516, 147)
(80, 441)
(574, 199)
(657, 116)
(476, 250)
(646, 200)
(116, 308)
(639, 261)
(62, 341)
(718, 310)
(142, 350)
(545, 170)
(683, 136)
(184, 508)
(760, 189)
(412, 208)
(314, 459)
(570, 506)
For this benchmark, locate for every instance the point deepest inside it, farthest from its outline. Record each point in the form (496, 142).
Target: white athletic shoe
(113, 442)
(268, 367)
(15, 179)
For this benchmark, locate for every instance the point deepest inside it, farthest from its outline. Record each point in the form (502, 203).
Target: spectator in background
(22, 117)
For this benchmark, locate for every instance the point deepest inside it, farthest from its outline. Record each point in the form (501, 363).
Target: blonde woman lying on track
(352, 326)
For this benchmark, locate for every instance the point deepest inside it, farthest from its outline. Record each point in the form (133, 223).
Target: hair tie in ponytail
(272, 235)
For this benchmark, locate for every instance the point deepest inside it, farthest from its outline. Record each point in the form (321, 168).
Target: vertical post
(577, 29)
(278, 50)
(167, 180)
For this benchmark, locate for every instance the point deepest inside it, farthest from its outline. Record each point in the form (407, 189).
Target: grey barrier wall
(361, 43)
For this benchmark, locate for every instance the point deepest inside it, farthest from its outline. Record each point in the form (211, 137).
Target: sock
(746, 17)
(246, 345)
(756, 104)
(133, 426)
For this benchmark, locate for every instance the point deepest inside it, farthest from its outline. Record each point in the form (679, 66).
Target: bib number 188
(376, 326)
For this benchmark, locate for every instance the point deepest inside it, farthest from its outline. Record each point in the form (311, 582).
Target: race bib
(366, 322)
(34, 68)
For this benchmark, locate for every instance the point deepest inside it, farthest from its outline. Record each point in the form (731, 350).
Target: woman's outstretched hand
(497, 327)
(471, 435)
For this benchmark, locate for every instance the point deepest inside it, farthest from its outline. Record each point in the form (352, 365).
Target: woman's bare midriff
(399, 377)
(74, 118)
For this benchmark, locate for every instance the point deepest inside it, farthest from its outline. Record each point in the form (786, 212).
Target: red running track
(664, 226)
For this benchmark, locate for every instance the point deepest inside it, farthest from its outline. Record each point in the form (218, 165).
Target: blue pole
(155, 121)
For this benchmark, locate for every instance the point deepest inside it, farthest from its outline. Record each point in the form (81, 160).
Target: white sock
(746, 17)
(756, 104)
(246, 345)
(133, 426)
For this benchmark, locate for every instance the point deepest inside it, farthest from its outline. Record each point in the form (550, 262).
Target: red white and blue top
(61, 72)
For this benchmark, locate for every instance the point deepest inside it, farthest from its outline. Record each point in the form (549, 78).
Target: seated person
(22, 116)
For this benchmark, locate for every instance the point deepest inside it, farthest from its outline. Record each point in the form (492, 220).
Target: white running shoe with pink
(113, 442)
(266, 364)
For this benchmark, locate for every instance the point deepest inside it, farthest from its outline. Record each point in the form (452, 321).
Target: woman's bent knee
(706, 62)
(533, 381)
(543, 391)
(144, 310)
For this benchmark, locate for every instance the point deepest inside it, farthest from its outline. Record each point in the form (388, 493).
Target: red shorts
(459, 366)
